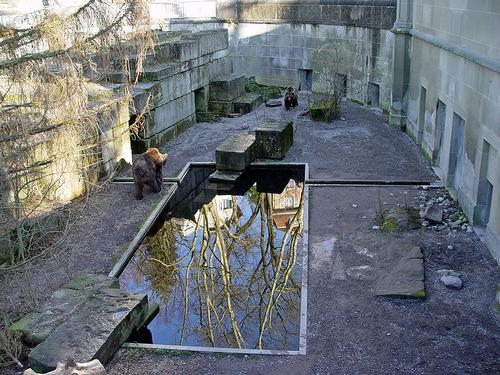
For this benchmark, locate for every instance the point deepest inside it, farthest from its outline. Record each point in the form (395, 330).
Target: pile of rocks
(440, 211)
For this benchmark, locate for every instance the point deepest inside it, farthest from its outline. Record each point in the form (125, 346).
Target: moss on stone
(426, 156)
(420, 294)
(390, 226)
(267, 92)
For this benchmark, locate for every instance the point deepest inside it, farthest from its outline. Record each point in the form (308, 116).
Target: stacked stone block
(182, 63)
(228, 95)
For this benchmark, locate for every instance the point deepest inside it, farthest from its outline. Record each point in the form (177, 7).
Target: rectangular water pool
(227, 264)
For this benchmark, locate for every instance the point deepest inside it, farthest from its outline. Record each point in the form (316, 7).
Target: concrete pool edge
(135, 243)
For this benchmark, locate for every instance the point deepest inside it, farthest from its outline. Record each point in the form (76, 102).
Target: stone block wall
(455, 60)
(184, 62)
(273, 40)
(275, 53)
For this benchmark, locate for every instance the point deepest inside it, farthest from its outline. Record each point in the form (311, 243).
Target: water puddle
(225, 266)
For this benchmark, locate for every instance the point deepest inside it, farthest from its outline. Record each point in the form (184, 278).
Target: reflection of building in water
(183, 226)
(285, 205)
(223, 205)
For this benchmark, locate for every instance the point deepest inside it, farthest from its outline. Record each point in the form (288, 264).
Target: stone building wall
(454, 59)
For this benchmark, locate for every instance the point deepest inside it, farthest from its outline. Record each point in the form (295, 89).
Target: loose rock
(452, 282)
(273, 103)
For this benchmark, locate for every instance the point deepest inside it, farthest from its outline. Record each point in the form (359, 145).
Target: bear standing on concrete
(148, 170)
(291, 98)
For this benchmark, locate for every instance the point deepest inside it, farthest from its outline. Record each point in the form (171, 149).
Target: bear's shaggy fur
(148, 170)
(291, 98)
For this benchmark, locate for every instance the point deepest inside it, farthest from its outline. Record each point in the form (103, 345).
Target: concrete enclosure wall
(275, 40)
(454, 58)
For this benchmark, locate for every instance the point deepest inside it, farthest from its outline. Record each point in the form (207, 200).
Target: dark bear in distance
(291, 98)
(148, 170)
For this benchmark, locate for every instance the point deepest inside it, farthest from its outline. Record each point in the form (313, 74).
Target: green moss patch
(267, 92)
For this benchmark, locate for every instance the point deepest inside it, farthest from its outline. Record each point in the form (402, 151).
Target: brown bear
(291, 98)
(148, 170)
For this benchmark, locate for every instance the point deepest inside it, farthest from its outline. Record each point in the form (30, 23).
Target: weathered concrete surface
(236, 152)
(400, 270)
(227, 88)
(94, 330)
(225, 176)
(350, 330)
(37, 326)
(273, 139)
(182, 63)
(460, 68)
(247, 102)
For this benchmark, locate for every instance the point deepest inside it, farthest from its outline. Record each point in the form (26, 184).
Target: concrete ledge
(142, 144)
(357, 13)
(247, 103)
(466, 53)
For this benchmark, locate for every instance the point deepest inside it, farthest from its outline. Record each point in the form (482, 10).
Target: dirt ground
(350, 330)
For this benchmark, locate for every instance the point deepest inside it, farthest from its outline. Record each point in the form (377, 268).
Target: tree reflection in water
(229, 276)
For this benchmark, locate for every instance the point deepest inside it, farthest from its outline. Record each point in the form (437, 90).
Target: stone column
(401, 63)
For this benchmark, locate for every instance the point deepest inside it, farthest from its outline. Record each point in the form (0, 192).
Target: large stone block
(220, 67)
(236, 152)
(93, 331)
(400, 270)
(37, 326)
(247, 103)
(227, 88)
(163, 91)
(169, 114)
(273, 139)
(221, 107)
(163, 70)
(199, 77)
(181, 50)
(211, 40)
(140, 145)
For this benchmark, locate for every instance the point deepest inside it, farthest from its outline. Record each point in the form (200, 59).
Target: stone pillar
(401, 63)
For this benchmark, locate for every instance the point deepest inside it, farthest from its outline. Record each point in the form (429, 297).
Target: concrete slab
(247, 103)
(93, 331)
(400, 270)
(34, 328)
(227, 88)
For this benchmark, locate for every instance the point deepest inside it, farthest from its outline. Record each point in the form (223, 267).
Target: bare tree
(52, 113)
(333, 62)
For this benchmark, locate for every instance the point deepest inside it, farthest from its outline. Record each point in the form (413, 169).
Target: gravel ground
(350, 331)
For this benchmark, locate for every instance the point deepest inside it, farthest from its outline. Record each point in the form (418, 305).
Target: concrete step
(227, 88)
(247, 103)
